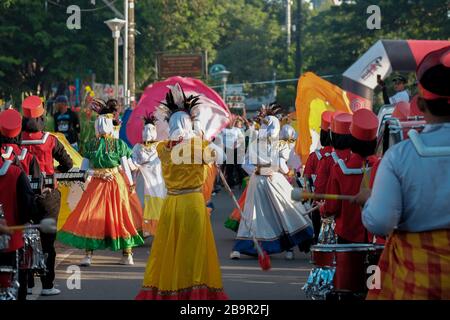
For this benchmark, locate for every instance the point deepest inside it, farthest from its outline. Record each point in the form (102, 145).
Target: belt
(105, 173)
(175, 192)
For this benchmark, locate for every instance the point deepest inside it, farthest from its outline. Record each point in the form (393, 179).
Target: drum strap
(7, 153)
(23, 154)
(426, 151)
(5, 167)
(347, 171)
(37, 142)
(318, 155)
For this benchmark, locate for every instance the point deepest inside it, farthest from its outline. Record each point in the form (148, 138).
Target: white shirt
(399, 96)
(411, 193)
(233, 137)
(147, 160)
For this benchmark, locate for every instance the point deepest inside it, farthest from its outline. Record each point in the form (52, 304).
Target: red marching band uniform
(340, 125)
(17, 201)
(346, 179)
(10, 127)
(45, 148)
(312, 164)
(315, 157)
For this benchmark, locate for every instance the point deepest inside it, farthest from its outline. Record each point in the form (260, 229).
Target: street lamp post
(224, 74)
(115, 25)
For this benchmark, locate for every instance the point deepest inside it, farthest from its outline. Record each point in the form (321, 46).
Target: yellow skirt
(152, 211)
(183, 264)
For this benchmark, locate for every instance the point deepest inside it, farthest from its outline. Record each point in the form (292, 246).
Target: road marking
(38, 284)
(258, 268)
(263, 282)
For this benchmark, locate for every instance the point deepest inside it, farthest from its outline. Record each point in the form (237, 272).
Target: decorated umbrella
(213, 112)
(314, 96)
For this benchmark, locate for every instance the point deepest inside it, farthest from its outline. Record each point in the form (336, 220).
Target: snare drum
(9, 285)
(6, 277)
(32, 256)
(4, 241)
(350, 262)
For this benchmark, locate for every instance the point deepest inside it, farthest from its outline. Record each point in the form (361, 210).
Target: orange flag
(314, 96)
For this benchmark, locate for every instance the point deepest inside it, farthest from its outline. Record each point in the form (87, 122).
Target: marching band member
(45, 148)
(103, 217)
(145, 157)
(269, 213)
(340, 143)
(183, 264)
(346, 178)
(18, 204)
(310, 171)
(412, 207)
(10, 129)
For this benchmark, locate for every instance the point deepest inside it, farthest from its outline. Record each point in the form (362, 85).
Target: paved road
(242, 279)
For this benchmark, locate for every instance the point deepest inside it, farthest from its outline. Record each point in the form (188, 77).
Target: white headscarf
(104, 125)
(180, 126)
(149, 133)
(288, 133)
(270, 128)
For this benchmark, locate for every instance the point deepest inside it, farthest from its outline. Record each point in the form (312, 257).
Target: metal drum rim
(353, 247)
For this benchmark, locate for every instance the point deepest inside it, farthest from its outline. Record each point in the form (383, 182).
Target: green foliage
(247, 36)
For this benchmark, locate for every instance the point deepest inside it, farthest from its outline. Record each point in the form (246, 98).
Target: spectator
(399, 87)
(67, 121)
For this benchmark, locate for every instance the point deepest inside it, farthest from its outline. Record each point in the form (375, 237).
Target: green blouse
(106, 153)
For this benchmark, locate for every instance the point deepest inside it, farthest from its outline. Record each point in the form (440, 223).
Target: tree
(37, 49)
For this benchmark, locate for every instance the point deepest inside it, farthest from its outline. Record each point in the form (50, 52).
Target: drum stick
(46, 226)
(298, 195)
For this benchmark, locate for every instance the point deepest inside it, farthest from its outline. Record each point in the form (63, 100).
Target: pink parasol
(214, 113)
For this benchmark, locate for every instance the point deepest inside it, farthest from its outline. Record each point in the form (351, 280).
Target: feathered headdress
(272, 109)
(149, 119)
(101, 106)
(98, 105)
(176, 101)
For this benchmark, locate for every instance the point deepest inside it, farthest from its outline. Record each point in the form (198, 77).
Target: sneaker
(29, 291)
(127, 260)
(235, 255)
(289, 255)
(86, 261)
(50, 292)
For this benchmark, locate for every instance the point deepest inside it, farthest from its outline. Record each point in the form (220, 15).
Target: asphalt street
(242, 279)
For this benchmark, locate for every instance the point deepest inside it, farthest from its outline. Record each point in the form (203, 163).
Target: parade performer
(347, 176)
(269, 213)
(234, 218)
(310, 170)
(412, 207)
(183, 264)
(19, 207)
(340, 143)
(288, 137)
(145, 157)
(10, 140)
(103, 218)
(46, 148)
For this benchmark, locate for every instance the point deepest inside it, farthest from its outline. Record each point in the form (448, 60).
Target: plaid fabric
(415, 266)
